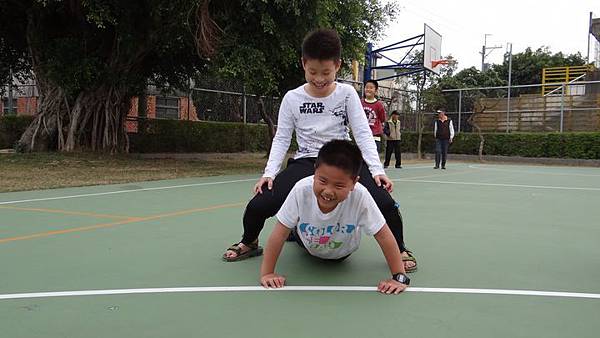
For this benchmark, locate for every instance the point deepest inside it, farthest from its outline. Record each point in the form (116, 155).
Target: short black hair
(395, 112)
(322, 44)
(374, 82)
(342, 154)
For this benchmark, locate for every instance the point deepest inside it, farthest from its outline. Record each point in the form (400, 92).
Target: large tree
(261, 46)
(90, 57)
(527, 66)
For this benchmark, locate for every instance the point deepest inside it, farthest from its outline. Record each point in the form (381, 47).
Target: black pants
(441, 151)
(393, 146)
(265, 205)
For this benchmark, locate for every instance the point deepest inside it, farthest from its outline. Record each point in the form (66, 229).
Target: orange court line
(66, 212)
(107, 225)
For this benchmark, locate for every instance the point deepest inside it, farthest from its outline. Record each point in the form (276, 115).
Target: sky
(560, 25)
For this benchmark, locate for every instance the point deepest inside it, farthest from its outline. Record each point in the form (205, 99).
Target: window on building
(6, 106)
(167, 107)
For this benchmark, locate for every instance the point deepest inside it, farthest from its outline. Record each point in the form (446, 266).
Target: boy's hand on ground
(390, 286)
(261, 182)
(385, 181)
(272, 280)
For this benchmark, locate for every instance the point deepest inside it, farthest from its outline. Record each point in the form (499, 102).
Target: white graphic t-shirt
(317, 121)
(335, 234)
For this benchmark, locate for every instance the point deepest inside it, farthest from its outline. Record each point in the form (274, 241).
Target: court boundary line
(492, 168)
(109, 292)
(124, 191)
(497, 184)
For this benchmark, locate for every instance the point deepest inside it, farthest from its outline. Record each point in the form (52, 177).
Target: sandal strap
(235, 247)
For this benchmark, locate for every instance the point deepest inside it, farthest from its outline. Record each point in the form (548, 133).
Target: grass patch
(21, 172)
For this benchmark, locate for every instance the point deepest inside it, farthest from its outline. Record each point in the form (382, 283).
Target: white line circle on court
(292, 288)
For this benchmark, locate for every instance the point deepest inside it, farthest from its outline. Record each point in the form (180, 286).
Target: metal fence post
(562, 106)
(244, 102)
(509, 45)
(10, 92)
(459, 108)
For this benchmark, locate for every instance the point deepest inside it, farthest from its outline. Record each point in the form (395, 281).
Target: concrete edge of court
(406, 156)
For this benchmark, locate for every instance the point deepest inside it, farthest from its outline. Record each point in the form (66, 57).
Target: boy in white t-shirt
(328, 212)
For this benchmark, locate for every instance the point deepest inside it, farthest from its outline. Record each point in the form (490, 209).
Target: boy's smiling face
(370, 90)
(320, 75)
(331, 186)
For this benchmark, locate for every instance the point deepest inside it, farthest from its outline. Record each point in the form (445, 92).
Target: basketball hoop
(435, 63)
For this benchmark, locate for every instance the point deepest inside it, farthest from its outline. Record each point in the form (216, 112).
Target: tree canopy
(89, 57)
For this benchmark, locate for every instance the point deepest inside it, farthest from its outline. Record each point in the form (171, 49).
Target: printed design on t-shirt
(320, 237)
(312, 108)
(340, 111)
(371, 115)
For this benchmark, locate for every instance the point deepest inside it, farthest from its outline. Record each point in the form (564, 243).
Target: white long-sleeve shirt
(317, 121)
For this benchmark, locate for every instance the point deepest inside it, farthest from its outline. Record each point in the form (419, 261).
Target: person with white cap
(443, 131)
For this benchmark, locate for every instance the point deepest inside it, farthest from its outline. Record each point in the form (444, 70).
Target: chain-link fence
(228, 101)
(554, 107)
(394, 99)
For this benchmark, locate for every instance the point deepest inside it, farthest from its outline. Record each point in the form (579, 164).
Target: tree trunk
(270, 125)
(95, 121)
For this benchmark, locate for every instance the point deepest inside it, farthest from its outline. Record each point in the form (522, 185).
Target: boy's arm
(281, 141)
(389, 247)
(382, 114)
(268, 277)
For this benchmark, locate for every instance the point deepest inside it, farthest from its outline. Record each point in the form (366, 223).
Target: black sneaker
(398, 167)
(436, 167)
(444, 168)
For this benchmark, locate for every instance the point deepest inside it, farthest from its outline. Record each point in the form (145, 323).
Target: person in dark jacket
(443, 131)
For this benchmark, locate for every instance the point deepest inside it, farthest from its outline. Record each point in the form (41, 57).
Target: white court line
(410, 167)
(125, 191)
(292, 288)
(498, 185)
(485, 167)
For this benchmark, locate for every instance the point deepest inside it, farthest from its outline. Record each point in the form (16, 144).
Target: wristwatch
(402, 278)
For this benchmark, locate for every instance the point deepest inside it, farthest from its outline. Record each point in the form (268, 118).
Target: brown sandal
(253, 251)
(410, 258)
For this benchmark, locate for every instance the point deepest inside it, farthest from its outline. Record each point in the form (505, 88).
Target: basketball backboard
(432, 50)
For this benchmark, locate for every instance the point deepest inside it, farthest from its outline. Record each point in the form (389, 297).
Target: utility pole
(509, 52)
(484, 50)
(588, 36)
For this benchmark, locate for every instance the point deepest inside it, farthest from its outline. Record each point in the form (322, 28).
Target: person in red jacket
(374, 110)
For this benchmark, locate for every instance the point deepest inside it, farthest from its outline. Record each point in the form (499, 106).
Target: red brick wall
(26, 106)
(131, 126)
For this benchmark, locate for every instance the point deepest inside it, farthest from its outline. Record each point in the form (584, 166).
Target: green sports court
(503, 251)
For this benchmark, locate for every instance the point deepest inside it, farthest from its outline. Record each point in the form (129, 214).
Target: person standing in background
(393, 136)
(374, 110)
(443, 131)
